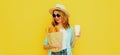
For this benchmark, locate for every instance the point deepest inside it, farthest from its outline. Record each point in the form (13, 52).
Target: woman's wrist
(75, 39)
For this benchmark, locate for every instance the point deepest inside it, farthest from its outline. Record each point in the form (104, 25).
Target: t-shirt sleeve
(46, 41)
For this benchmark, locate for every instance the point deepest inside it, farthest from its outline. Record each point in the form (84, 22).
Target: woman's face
(57, 16)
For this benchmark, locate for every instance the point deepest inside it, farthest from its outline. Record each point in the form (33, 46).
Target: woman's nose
(56, 17)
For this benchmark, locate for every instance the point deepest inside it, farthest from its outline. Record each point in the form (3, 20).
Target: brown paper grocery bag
(55, 38)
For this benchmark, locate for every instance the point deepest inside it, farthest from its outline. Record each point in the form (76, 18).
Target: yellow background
(23, 24)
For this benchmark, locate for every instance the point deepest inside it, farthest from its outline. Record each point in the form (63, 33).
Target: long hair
(64, 19)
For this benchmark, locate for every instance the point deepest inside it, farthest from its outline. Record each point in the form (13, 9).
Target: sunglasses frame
(56, 15)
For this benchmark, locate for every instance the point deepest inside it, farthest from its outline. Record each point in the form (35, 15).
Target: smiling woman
(60, 19)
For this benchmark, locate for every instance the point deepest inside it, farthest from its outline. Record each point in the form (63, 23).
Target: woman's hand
(52, 46)
(75, 38)
(48, 47)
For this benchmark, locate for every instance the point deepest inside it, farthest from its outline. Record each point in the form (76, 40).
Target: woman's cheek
(59, 20)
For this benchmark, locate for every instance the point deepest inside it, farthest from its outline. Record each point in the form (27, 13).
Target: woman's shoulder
(70, 28)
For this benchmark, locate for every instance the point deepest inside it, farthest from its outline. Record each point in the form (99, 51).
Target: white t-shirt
(64, 39)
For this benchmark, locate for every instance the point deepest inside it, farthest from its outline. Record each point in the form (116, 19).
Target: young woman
(61, 19)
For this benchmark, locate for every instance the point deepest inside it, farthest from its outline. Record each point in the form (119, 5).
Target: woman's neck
(60, 25)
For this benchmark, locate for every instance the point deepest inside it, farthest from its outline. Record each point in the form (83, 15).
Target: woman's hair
(64, 19)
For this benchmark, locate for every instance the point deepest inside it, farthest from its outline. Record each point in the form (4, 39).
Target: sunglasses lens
(54, 15)
(58, 15)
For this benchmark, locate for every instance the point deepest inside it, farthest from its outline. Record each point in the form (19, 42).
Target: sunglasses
(54, 15)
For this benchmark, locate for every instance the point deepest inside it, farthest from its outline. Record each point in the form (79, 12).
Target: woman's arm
(51, 46)
(75, 37)
(47, 47)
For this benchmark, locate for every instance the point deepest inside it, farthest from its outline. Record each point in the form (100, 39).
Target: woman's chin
(58, 21)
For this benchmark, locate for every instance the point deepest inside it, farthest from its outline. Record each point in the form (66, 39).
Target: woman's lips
(57, 19)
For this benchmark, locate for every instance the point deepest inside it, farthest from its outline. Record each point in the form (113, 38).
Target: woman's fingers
(56, 45)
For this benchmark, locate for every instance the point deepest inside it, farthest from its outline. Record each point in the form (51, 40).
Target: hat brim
(52, 9)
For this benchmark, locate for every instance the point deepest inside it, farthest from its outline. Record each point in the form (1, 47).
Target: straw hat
(59, 7)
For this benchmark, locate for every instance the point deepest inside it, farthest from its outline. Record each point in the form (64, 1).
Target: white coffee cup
(77, 29)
